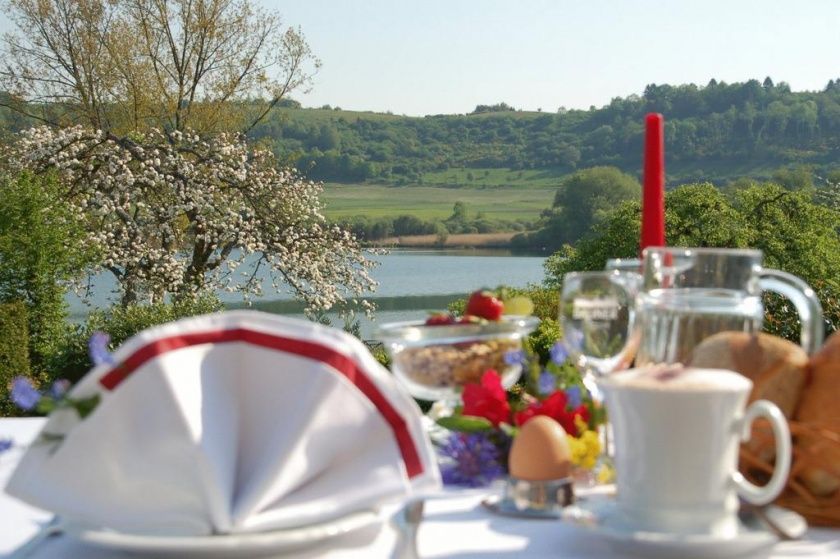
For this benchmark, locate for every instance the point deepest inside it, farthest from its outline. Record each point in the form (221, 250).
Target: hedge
(14, 351)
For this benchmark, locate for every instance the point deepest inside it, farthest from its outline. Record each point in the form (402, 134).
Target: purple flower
(98, 349)
(6, 444)
(546, 383)
(473, 460)
(24, 394)
(59, 388)
(558, 353)
(515, 357)
(574, 395)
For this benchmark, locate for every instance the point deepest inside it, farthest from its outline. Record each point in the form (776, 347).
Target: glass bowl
(435, 362)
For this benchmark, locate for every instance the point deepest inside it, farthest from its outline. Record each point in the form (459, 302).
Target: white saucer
(598, 516)
(258, 544)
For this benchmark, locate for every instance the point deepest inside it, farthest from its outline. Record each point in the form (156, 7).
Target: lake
(411, 283)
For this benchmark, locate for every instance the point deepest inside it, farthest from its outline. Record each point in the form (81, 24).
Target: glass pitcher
(689, 294)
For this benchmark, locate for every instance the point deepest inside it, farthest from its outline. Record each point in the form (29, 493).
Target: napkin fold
(233, 422)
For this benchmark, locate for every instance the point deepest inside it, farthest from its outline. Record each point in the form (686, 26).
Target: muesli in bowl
(437, 357)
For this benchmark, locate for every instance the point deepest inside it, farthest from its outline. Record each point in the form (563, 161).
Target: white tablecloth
(455, 526)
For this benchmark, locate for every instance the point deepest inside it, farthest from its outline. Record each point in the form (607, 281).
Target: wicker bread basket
(807, 391)
(809, 453)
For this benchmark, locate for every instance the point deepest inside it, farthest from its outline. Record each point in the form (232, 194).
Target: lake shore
(464, 240)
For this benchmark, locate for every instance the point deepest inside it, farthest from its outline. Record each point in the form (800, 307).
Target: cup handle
(803, 298)
(753, 493)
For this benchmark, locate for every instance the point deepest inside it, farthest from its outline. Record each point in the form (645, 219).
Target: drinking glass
(597, 313)
(631, 265)
(689, 294)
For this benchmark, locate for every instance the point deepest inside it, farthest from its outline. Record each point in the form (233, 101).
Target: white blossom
(168, 213)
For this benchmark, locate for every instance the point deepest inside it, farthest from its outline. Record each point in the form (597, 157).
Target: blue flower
(574, 395)
(558, 353)
(98, 349)
(516, 357)
(546, 383)
(6, 444)
(24, 394)
(59, 388)
(473, 460)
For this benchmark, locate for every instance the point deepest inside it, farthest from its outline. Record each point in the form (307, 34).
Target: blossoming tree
(127, 65)
(175, 213)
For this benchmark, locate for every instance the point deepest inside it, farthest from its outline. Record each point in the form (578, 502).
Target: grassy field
(477, 178)
(475, 240)
(499, 193)
(427, 202)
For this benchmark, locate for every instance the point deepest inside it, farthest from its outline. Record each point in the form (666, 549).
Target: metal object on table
(785, 524)
(51, 529)
(407, 521)
(534, 499)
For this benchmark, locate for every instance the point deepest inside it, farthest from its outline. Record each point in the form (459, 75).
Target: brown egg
(540, 451)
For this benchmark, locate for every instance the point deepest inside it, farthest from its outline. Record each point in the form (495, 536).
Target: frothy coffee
(677, 433)
(677, 378)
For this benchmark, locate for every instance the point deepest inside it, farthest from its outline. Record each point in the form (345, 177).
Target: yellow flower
(585, 449)
(606, 474)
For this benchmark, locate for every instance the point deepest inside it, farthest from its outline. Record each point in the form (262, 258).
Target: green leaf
(85, 406)
(509, 430)
(465, 423)
(45, 405)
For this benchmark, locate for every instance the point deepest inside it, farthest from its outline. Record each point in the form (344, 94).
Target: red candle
(653, 179)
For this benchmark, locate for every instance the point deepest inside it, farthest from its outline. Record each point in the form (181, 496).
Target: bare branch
(128, 64)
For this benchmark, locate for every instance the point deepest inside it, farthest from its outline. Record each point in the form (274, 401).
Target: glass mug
(689, 294)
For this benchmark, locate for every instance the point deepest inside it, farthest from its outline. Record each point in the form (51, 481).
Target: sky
(447, 56)
(419, 57)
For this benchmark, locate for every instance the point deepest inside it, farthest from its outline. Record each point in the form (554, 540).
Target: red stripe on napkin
(338, 361)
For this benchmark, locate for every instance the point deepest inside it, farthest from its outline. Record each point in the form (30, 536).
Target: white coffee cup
(677, 433)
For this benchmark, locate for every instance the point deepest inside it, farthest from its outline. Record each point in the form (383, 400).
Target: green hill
(389, 174)
(716, 132)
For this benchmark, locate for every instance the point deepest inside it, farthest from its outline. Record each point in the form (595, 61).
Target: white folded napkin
(234, 422)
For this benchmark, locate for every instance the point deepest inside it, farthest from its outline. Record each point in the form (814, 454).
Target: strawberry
(440, 319)
(486, 305)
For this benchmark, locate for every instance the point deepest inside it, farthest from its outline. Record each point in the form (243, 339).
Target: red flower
(555, 406)
(521, 417)
(487, 399)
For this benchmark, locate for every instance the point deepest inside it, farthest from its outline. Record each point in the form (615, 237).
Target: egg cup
(536, 499)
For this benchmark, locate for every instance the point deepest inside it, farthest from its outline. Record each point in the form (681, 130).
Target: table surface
(455, 525)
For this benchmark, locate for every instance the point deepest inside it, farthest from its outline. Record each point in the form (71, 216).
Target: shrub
(795, 235)
(781, 318)
(41, 248)
(545, 336)
(14, 350)
(72, 361)
(380, 354)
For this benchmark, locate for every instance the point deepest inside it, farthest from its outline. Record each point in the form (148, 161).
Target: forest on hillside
(714, 132)
(717, 132)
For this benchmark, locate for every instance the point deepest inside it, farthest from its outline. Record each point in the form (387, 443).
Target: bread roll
(778, 368)
(820, 407)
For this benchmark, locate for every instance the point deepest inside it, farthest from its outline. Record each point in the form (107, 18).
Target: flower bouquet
(482, 428)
